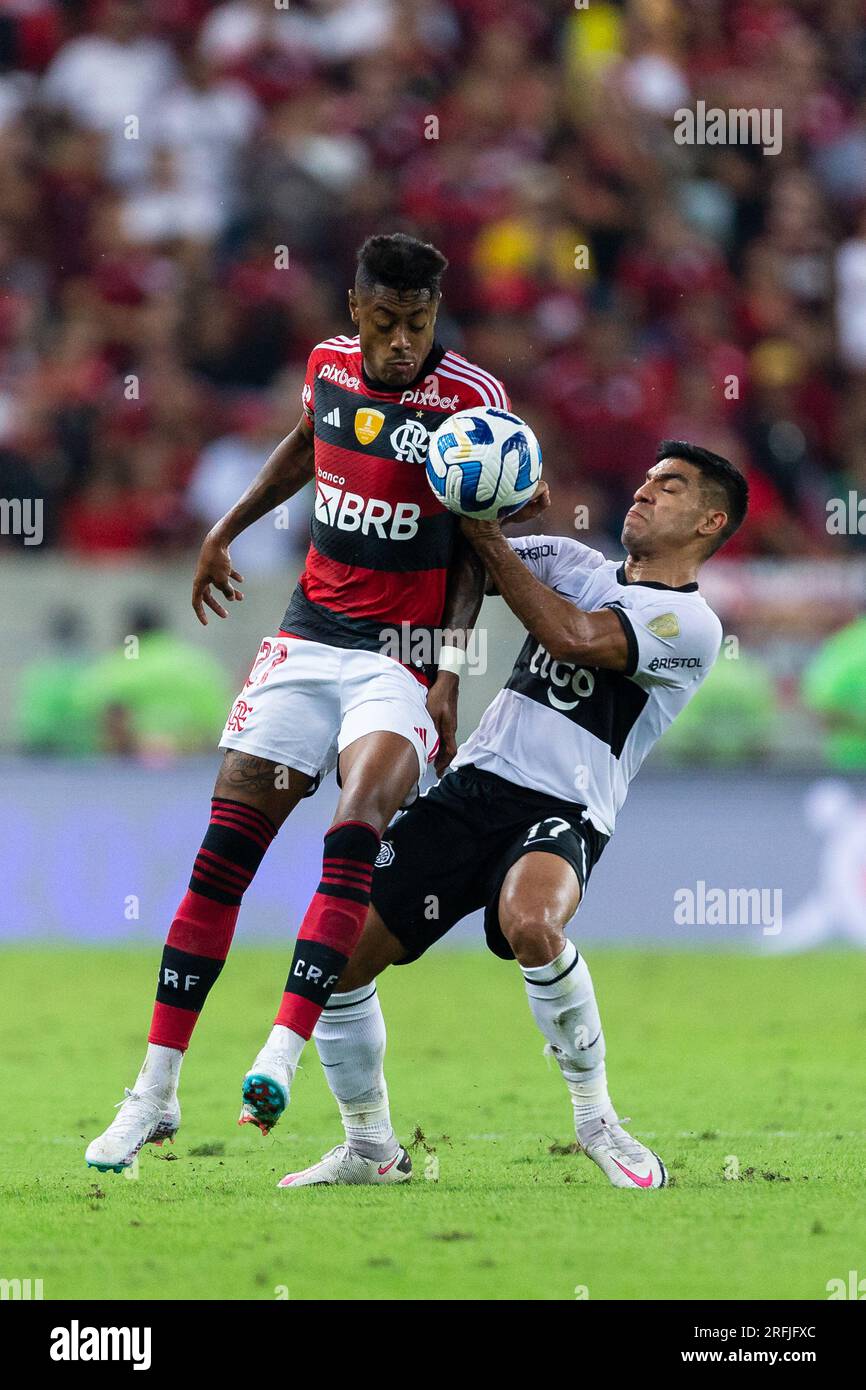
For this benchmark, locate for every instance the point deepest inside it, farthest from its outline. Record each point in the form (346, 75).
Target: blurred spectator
(851, 300)
(49, 717)
(834, 687)
(731, 718)
(183, 184)
(226, 468)
(165, 210)
(155, 695)
(835, 909)
(207, 121)
(330, 30)
(112, 81)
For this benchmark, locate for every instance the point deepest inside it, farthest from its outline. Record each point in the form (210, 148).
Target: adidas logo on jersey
(348, 511)
(332, 417)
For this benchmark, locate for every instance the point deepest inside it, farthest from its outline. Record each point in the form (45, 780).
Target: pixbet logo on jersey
(429, 395)
(349, 511)
(339, 375)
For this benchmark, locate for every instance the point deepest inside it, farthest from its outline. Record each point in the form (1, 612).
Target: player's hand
(442, 708)
(538, 503)
(214, 568)
(485, 530)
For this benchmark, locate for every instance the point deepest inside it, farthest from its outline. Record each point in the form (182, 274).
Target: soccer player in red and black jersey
(384, 558)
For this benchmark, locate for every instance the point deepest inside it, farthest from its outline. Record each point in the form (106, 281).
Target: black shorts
(449, 853)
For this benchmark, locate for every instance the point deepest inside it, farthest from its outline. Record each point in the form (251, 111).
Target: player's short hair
(719, 476)
(401, 263)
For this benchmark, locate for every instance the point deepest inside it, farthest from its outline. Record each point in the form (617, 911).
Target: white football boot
(144, 1117)
(341, 1166)
(624, 1160)
(266, 1090)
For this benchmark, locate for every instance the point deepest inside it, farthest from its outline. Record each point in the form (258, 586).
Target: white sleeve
(555, 559)
(670, 644)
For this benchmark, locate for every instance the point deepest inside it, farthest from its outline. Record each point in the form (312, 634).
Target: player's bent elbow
(572, 649)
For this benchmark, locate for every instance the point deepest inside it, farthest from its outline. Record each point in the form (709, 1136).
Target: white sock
(350, 1038)
(287, 1043)
(563, 1005)
(160, 1070)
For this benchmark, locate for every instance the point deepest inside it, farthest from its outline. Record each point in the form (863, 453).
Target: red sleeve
(308, 392)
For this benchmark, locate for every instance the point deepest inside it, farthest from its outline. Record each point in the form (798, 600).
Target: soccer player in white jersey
(615, 649)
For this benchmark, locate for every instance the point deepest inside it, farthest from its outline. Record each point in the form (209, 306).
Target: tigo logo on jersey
(409, 442)
(367, 425)
(571, 680)
(348, 511)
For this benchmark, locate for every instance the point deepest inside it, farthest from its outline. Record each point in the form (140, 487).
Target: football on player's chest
(371, 468)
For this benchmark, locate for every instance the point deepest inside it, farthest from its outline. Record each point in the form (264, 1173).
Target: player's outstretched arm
(285, 472)
(463, 598)
(568, 633)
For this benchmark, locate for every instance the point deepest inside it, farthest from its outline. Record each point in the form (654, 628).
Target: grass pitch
(745, 1074)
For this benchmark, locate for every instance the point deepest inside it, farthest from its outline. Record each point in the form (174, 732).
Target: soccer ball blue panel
(483, 463)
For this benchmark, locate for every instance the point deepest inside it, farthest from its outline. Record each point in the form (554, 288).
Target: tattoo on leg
(243, 772)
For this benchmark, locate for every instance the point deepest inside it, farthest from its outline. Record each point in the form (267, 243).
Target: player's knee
(366, 810)
(373, 787)
(534, 938)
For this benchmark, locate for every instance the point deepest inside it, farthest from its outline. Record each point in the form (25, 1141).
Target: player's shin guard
(332, 925)
(201, 933)
(350, 1040)
(563, 1004)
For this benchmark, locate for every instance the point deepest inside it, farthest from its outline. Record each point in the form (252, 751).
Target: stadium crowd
(183, 185)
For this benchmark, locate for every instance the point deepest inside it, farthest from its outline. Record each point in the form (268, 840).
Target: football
(483, 463)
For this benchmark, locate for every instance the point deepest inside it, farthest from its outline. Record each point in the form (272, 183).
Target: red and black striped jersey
(380, 541)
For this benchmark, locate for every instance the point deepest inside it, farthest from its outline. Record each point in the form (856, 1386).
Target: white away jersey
(581, 733)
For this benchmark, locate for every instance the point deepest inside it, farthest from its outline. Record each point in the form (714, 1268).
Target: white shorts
(304, 702)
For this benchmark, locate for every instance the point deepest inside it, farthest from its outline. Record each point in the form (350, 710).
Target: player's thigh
(284, 724)
(540, 882)
(428, 874)
(377, 772)
(377, 949)
(539, 891)
(383, 716)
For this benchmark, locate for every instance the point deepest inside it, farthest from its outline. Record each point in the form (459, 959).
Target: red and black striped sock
(201, 933)
(332, 924)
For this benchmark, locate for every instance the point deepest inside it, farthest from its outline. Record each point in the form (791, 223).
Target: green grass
(721, 1059)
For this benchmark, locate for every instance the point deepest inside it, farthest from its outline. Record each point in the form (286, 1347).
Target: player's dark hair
(718, 474)
(400, 263)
